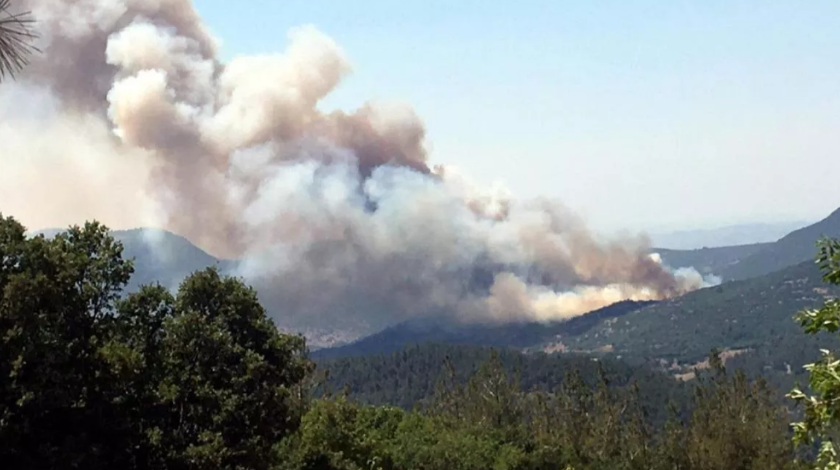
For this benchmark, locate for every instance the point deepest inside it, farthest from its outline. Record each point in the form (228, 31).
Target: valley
(764, 285)
(614, 245)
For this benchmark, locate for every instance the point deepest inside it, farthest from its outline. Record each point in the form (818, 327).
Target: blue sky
(638, 114)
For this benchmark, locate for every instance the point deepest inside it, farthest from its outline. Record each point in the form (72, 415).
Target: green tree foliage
(56, 309)
(90, 380)
(489, 422)
(411, 376)
(736, 423)
(822, 411)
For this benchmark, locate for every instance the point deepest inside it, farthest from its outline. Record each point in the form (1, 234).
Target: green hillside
(409, 376)
(741, 314)
(446, 331)
(755, 315)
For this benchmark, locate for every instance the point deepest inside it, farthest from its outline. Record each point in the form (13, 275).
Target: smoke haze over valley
(572, 236)
(130, 117)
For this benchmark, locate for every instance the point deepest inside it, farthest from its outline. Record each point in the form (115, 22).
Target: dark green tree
(92, 379)
(736, 424)
(206, 377)
(56, 309)
(342, 435)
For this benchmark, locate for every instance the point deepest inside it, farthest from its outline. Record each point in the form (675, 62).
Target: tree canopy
(90, 378)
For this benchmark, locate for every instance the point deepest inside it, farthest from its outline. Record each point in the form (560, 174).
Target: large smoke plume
(130, 117)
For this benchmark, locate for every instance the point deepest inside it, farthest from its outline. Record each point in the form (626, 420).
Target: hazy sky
(638, 114)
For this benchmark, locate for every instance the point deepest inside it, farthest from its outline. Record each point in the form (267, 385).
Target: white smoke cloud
(57, 167)
(336, 217)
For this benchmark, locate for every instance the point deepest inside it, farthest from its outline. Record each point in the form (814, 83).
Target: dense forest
(412, 377)
(96, 379)
(740, 314)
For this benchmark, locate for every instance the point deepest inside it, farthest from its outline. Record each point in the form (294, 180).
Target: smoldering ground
(129, 116)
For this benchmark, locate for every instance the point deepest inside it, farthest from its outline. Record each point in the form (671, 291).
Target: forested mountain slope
(740, 314)
(409, 376)
(443, 330)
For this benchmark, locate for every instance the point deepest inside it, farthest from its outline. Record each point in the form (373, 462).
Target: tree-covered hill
(742, 314)
(732, 315)
(446, 331)
(409, 376)
(754, 317)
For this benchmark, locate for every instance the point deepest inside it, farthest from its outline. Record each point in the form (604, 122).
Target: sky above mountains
(639, 114)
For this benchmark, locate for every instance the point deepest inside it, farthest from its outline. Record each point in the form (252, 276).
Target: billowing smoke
(129, 117)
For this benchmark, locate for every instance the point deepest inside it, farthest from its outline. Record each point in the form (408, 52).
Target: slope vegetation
(411, 375)
(748, 314)
(440, 330)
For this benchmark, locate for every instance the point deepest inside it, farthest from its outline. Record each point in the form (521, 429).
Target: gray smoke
(131, 118)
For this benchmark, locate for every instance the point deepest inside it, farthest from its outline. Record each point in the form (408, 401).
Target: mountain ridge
(442, 330)
(795, 247)
(737, 314)
(166, 258)
(729, 235)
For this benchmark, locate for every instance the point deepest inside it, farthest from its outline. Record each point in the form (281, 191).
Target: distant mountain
(741, 234)
(752, 319)
(734, 315)
(748, 314)
(793, 248)
(740, 262)
(446, 331)
(167, 258)
(159, 256)
(47, 232)
(709, 260)
(163, 257)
